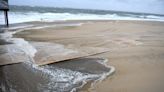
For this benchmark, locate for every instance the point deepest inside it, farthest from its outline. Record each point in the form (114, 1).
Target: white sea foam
(19, 17)
(27, 48)
(62, 80)
(104, 75)
(153, 17)
(19, 43)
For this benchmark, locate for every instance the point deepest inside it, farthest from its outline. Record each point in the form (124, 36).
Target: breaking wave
(19, 17)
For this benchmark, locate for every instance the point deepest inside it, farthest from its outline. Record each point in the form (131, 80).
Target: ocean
(19, 14)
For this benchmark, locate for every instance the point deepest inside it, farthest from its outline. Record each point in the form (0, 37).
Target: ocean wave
(19, 17)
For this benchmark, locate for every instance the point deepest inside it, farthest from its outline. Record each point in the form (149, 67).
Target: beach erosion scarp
(20, 73)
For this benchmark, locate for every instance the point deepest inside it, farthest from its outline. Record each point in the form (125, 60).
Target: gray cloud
(148, 6)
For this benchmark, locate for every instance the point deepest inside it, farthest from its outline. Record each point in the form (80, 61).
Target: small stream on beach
(68, 76)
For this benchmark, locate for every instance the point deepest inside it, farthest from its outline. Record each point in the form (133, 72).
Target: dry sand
(136, 51)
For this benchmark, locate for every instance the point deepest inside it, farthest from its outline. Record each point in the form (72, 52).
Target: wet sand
(68, 76)
(20, 72)
(136, 51)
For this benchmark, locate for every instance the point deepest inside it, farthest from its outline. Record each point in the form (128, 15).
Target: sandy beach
(136, 50)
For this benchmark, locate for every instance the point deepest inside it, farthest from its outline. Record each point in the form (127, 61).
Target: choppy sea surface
(19, 14)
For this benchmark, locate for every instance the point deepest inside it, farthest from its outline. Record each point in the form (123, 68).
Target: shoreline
(78, 20)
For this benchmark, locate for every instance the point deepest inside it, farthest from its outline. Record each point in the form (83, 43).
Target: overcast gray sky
(148, 6)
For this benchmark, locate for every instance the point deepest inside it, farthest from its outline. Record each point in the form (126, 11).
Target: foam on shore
(61, 79)
(19, 43)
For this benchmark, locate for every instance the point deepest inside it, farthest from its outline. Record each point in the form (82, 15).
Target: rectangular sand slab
(48, 53)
